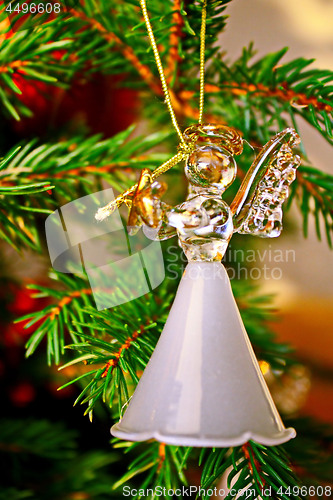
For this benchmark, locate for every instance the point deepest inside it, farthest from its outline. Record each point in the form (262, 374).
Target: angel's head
(211, 165)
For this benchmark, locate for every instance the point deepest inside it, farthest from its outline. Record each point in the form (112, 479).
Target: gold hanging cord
(160, 69)
(184, 147)
(202, 59)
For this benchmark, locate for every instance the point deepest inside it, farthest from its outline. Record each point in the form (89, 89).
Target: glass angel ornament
(203, 385)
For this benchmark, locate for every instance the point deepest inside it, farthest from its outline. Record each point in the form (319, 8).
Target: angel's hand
(146, 206)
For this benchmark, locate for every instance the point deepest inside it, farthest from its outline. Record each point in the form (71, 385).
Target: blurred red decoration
(102, 105)
(22, 301)
(22, 394)
(18, 301)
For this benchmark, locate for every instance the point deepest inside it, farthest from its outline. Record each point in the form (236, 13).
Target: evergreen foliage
(60, 469)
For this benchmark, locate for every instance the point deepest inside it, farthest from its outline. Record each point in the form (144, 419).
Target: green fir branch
(53, 320)
(101, 36)
(36, 177)
(41, 459)
(314, 192)
(253, 471)
(270, 89)
(163, 465)
(311, 451)
(119, 348)
(20, 438)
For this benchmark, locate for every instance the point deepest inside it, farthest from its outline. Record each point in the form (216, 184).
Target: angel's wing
(257, 207)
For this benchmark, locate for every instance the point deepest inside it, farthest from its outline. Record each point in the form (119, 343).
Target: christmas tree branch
(53, 319)
(152, 81)
(114, 361)
(267, 84)
(56, 310)
(311, 452)
(109, 380)
(314, 191)
(33, 438)
(282, 93)
(98, 33)
(42, 459)
(127, 51)
(164, 466)
(174, 57)
(251, 471)
(30, 162)
(29, 171)
(254, 469)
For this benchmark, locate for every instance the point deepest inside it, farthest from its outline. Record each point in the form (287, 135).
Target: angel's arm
(160, 221)
(256, 208)
(186, 216)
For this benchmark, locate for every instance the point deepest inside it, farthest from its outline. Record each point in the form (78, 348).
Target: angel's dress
(203, 385)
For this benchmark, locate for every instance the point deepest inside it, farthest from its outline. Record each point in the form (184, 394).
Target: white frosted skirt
(203, 385)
